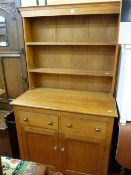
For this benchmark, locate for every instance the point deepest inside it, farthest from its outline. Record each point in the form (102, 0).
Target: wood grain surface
(67, 100)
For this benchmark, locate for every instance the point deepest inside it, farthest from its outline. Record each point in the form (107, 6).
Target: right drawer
(84, 126)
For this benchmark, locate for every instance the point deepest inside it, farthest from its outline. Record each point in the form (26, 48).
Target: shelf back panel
(94, 58)
(84, 83)
(82, 28)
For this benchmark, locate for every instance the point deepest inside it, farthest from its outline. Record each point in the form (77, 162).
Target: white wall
(28, 2)
(125, 33)
(31, 2)
(124, 85)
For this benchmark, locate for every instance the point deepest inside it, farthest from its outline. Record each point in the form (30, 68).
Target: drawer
(84, 126)
(38, 119)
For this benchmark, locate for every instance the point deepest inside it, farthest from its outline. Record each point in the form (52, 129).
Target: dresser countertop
(84, 102)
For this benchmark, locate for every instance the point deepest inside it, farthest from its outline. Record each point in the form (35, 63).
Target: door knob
(62, 149)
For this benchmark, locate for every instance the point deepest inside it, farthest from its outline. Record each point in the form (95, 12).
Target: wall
(124, 81)
(125, 25)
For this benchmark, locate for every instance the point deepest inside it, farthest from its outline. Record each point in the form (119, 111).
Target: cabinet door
(81, 154)
(40, 146)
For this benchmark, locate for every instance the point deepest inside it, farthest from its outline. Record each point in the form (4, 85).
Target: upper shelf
(69, 43)
(107, 7)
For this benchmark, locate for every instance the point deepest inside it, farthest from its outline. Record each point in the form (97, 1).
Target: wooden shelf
(76, 51)
(69, 43)
(71, 72)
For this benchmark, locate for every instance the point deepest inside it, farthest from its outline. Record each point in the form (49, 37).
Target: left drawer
(39, 120)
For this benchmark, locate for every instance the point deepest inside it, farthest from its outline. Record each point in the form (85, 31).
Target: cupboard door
(40, 146)
(81, 154)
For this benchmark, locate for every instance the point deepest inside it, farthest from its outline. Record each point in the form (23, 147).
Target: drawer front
(84, 126)
(38, 120)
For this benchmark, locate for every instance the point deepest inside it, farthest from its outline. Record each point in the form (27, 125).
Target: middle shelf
(79, 67)
(71, 43)
(71, 72)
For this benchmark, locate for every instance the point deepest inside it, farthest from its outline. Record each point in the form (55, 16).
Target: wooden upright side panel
(116, 61)
(29, 56)
(108, 145)
(27, 30)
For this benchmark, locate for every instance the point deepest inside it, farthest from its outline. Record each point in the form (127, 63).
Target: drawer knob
(97, 129)
(69, 125)
(62, 149)
(56, 148)
(26, 119)
(50, 123)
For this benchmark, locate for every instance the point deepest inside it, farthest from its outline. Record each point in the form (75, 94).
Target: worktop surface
(85, 102)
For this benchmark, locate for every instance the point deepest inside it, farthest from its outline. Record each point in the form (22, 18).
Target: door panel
(81, 154)
(40, 146)
(14, 83)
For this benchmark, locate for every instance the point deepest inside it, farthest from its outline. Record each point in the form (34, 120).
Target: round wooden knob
(26, 119)
(50, 123)
(69, 125)
(56, 148)
(62, 149)
(97, 129)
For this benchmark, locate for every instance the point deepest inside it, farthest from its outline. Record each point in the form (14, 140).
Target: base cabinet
(72, 145)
